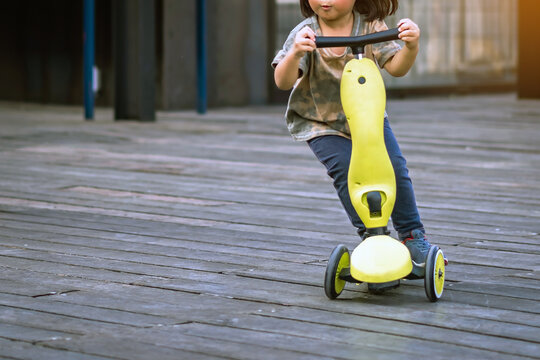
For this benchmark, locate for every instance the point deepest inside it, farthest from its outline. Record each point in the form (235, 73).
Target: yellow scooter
(371, 180)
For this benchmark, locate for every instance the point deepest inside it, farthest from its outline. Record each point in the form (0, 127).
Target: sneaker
(419, 247)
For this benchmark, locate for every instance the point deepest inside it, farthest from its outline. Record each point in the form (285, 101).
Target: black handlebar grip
(357, 41)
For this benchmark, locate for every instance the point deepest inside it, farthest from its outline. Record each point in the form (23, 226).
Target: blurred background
(466, 46)
(464, 43)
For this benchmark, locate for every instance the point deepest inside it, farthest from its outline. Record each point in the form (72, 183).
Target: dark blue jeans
(334, 152)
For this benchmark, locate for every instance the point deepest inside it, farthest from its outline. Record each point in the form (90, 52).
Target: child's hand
(304, 42)
(409, 32)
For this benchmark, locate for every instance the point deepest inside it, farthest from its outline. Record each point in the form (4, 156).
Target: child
(314, 113)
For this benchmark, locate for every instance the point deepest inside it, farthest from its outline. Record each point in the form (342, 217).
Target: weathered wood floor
(207, 237)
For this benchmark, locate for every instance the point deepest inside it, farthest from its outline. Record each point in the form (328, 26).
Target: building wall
(463, 42)
(238, 53)
(178, 79)
(41, 55)
(529, 51)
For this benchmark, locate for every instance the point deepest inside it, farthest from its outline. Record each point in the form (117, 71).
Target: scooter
(379, 258)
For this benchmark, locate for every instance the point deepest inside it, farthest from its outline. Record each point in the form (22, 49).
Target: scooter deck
(380, 259)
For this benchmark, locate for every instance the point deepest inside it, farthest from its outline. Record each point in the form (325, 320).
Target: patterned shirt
(314, 107)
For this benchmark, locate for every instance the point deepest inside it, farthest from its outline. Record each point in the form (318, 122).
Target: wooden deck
(207, 237)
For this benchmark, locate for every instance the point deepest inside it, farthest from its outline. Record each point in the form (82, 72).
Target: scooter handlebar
(357, 42)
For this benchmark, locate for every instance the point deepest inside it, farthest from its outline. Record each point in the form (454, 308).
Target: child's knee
(339, 168)
(400, 166)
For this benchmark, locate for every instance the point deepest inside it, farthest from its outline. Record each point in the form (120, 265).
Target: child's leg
(334, 152)
(405, 216)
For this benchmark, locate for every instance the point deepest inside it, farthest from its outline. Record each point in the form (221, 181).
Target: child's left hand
(409, 32)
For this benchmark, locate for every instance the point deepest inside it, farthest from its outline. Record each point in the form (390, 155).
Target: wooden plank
(129, 232)
(197, 306)
(22, 350)
(246, 259)
(276, 310)
(207, 237)
(240, 322)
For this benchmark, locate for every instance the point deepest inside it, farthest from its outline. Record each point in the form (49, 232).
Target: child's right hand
(287, 70)
(304, 42)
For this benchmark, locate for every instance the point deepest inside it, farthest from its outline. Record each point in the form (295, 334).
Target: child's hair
(372, 9)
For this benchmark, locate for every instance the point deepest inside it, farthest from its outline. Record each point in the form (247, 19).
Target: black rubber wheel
(339, 259)
(434, 274)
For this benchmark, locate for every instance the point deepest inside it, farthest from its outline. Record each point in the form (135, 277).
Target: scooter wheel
(339, 260)
(434, 276)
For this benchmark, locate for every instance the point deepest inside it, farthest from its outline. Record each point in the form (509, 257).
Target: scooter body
(372, 186)
(378, 258)
(363, 98)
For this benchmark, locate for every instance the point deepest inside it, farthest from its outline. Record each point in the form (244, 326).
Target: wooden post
(88, 58)
(239, 46)
(202, 62)
(134, 59)
(271, 23)
(259, 50)
(529, 51)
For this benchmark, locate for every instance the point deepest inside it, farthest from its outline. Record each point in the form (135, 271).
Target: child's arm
(402, 62)
(286, 72)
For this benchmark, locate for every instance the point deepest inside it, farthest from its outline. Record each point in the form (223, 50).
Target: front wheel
(434, 275)
(339, 260)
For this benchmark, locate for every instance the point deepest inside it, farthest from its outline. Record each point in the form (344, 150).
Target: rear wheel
(434, 275)
(339, 260)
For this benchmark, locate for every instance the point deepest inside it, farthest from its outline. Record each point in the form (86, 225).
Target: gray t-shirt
(314, 107)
